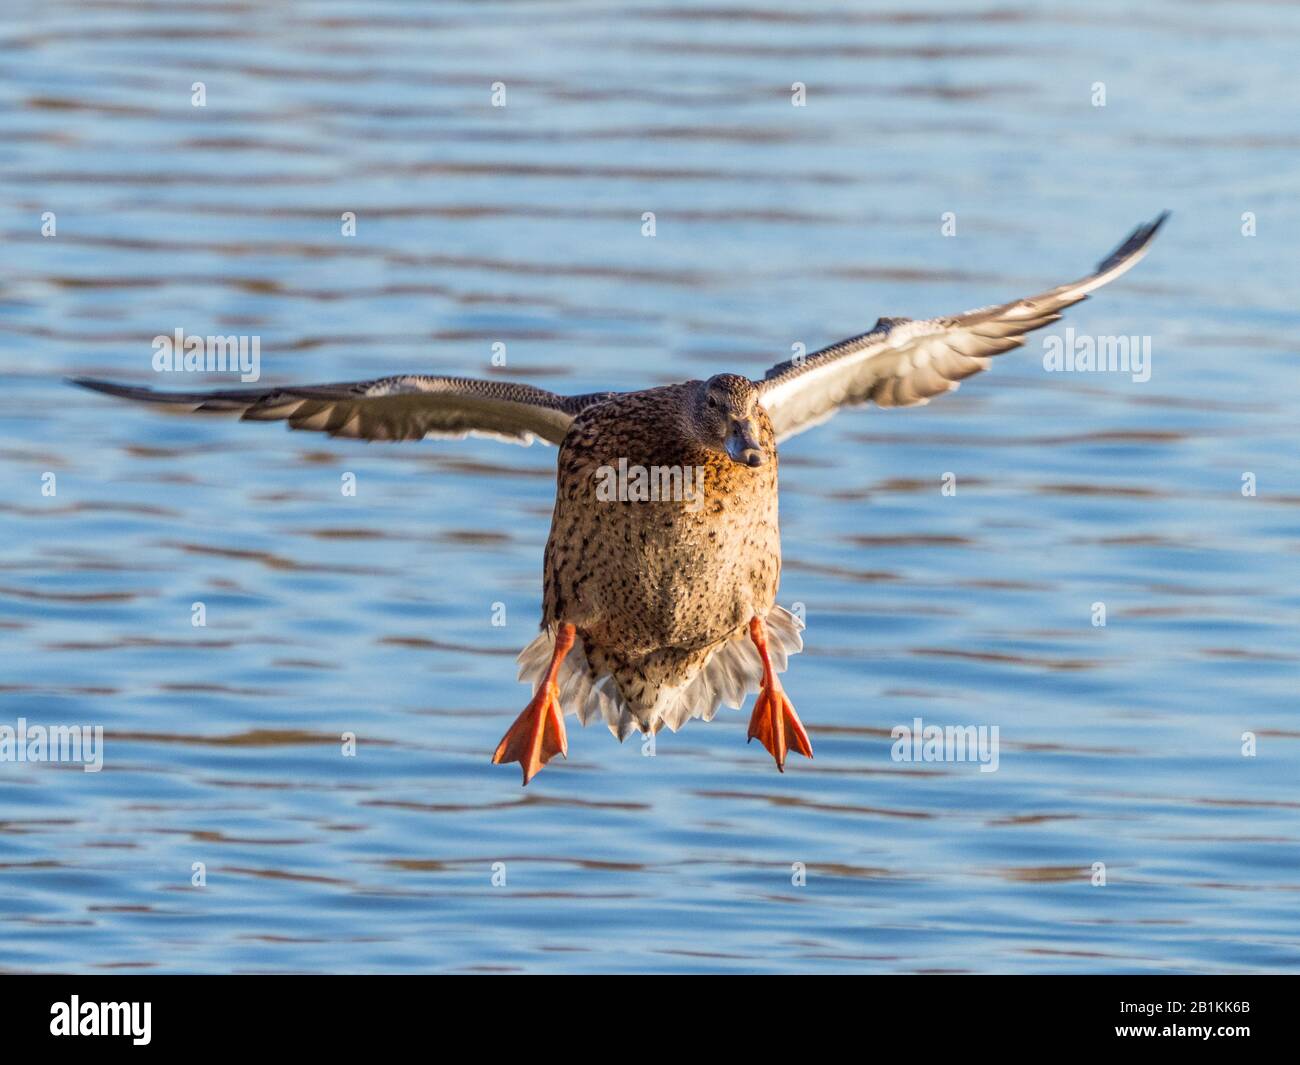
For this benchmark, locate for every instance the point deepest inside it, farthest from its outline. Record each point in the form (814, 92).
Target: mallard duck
(664, 556)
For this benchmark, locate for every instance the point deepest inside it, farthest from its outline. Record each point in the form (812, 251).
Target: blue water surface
(1121, 746)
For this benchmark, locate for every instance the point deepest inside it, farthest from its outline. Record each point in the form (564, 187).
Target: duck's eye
(714, 403)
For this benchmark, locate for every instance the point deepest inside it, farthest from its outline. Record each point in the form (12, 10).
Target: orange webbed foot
(774, 723)
(777, 727)
(537, 735)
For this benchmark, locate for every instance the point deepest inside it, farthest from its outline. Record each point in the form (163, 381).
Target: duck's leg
(774, 722)
(538, 733)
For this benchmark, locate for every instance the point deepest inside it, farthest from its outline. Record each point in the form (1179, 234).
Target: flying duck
(661, 570)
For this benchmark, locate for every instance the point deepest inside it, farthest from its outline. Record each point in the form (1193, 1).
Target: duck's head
(724, 418)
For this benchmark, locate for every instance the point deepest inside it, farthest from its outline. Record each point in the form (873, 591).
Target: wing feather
(403, 407)
(902, 363)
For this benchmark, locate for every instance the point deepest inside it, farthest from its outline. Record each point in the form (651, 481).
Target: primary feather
(901, 362)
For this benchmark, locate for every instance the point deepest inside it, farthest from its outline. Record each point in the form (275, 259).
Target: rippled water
(775, 225)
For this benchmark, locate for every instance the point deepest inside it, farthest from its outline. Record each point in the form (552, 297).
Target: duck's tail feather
(727, 674)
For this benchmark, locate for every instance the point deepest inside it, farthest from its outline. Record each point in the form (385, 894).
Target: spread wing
(407, 407)
(902, 362)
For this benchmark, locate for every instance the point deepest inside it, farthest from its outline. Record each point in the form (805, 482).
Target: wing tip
(108, 388)
(1132, 247)
(83, 382)
(1150, 229)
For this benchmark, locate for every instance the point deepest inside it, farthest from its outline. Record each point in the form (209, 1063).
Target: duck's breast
(656, 542)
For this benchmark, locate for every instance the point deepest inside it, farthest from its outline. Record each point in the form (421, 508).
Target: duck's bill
(742, 445)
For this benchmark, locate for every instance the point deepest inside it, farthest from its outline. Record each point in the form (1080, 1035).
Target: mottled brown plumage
(654, 587)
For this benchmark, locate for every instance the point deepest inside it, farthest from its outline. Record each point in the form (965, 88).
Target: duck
(661, 570)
